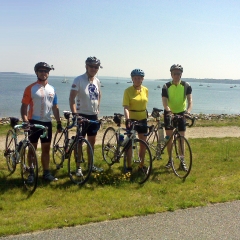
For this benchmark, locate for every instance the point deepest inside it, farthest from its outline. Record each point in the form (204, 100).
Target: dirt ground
(195, 132)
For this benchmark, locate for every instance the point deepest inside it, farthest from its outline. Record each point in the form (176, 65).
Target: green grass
(214, 178)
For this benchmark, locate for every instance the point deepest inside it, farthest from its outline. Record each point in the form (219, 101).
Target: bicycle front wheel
(138, 168)
(80, 161)
(58, 151)
(181, 156)
(9, 152)
(109, 145)
(29, 167)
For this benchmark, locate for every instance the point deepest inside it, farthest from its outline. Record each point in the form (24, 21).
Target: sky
(203, 36)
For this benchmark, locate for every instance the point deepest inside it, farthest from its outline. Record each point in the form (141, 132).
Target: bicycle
(180, 152)
(23, 153)
(76, 149)
(113, 149)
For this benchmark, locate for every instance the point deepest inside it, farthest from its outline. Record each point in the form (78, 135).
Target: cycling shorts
(141, 128)
(181, 122)
(90, 128)
(36, 132)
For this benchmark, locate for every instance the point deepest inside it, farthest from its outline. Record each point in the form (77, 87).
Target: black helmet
(176, 67)
(93, 60)
(43, 65)
(137, 72)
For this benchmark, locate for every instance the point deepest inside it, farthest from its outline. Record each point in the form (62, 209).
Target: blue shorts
(36, 133)
(90, 128)
(181, 122)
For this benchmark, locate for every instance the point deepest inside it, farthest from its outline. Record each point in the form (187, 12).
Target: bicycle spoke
(80, 162)
(29, 167)
(181, 156)
(140, 166)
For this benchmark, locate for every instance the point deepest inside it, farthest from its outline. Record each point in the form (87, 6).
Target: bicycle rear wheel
(81, 154)
(109, 145)
(29, 167)
(9, 152)
(152, 141)
(58, 151)
(138, 173)
(181, 156)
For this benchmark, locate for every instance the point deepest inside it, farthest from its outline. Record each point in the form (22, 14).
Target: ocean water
(210, 98)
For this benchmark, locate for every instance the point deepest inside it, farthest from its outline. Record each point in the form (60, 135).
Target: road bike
(23, 152)
(180, 153)
(114, 148)
(76, 149)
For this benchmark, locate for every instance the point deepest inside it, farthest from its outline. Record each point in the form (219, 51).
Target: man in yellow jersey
(135, 100)
(176, 99)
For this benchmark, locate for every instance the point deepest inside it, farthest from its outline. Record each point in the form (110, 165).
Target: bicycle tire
(138, 174)
(10, 151)
(109, 145)
(29, 165)
(152, 141)
(83, 155)
(58, 151)
(179, 145)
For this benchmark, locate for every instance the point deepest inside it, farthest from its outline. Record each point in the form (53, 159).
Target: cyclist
(135, 101)
(176, 99)
(86, 90)
(40, 97)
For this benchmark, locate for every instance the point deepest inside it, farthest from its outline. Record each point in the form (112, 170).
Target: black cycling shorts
(36, 132)
(90, 129)
(181, 122)
(141, 128)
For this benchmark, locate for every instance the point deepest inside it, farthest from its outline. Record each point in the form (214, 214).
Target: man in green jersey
(176, 99)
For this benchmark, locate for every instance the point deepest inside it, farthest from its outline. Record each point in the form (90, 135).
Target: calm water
(209, 98)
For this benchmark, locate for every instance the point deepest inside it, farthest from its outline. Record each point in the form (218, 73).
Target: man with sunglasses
(176, 99)
(39, 99)
(84, 100)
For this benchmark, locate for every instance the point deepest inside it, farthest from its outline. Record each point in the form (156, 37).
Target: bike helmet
(176, 67)
(137, 72)
(93, 60)
(43, 65)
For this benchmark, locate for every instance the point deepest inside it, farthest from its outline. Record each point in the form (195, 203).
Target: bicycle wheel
(152, 141)
(80, 154)
(29, 167)
(181, 155)
(109, 145)
(9, 152)
(58, 151)
(137, 173)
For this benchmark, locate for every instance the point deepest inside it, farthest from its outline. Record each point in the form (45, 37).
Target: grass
(214, 178)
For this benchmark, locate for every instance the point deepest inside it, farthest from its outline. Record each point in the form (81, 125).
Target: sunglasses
(91, 66)
(176, 74)
(43, 71)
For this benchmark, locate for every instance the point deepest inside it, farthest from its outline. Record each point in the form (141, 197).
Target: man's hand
(59, 127)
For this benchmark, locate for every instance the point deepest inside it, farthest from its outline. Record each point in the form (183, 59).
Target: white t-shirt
(87, 98)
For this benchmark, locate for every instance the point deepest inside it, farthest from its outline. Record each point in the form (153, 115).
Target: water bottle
(161, 134)
(70, 143)
(166, 138)
(125, 141)
(121, 139)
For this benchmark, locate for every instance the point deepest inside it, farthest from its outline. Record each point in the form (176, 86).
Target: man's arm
(165, 104)
(56, 114)
(72, 103)
(23, 111)
(189, 100)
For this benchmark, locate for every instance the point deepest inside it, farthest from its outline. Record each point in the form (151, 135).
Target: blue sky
(203, 36)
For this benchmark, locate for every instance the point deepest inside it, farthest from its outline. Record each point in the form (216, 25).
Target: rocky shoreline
(210, 117)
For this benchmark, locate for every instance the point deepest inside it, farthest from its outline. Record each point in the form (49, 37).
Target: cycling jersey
(176, 95)
(40, 100)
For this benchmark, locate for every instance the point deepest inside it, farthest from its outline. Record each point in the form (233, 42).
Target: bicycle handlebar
(29, 126)
(77, 119)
